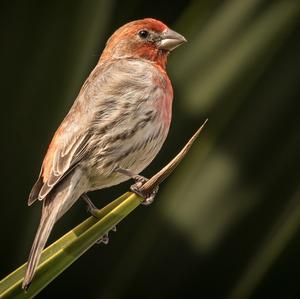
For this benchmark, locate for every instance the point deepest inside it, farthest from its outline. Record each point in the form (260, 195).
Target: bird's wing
(65, 150)
(70, 142)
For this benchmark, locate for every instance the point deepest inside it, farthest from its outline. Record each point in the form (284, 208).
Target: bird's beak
(171, 40)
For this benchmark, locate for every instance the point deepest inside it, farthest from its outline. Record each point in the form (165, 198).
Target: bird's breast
(131, 123)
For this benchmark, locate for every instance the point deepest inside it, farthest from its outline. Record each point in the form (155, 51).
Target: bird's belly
(135, 155)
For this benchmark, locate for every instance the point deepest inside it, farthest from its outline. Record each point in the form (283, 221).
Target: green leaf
(62, 253)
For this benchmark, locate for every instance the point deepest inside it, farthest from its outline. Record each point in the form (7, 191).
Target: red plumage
(119, 120)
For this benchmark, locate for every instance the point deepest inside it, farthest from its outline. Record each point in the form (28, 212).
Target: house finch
(114, 129)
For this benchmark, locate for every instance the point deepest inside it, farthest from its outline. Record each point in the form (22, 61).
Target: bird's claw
(136, 187)
(139, 179)
(148, 197)
(105, 238)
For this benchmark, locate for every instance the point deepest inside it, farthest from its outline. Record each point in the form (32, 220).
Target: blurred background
(226, 224)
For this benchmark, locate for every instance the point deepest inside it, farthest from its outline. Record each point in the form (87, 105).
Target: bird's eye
(143, 34)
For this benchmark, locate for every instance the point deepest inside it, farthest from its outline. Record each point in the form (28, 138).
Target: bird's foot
(136, 187)
(91, 208)
(148, 197)
(105, 238)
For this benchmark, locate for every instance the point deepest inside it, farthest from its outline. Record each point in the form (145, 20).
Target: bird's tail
(55, 205)
(41, 237)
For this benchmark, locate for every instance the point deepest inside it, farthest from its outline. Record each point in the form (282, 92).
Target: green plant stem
(61, 254)
(65, 251)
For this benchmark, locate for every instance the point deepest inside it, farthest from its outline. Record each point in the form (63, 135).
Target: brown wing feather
(33, 196)
(63, 162)
(65, 151)
(69, 143)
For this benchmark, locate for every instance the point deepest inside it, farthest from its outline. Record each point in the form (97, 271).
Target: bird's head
(147, 39)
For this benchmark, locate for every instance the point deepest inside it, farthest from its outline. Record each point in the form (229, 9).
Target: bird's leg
(91, 208)
(129, 173)
(139, 182)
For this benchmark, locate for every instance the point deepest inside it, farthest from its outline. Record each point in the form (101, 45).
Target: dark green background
(226, 223)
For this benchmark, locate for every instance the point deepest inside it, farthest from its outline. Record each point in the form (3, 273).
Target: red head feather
(126, 42)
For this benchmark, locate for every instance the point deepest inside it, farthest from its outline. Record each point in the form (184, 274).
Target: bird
(114, 129)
